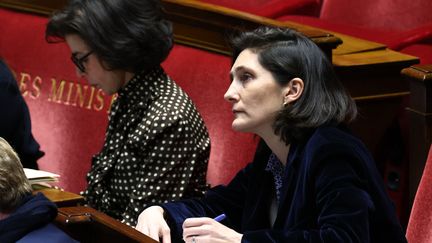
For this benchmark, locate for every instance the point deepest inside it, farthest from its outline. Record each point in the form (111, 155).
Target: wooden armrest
(61, 198)
(420, 115)
(86, 224)
(73, 215)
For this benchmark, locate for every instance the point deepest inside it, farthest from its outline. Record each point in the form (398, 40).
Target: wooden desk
(61, 198)
(89, 225)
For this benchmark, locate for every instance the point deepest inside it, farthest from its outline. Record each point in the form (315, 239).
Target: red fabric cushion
(388, 15)
(421, 50)
(384, 37)
(420, 223)
(416, 42)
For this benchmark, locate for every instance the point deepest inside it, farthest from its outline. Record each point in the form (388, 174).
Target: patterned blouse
(156, 149)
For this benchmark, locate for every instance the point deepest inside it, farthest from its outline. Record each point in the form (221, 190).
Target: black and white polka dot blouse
(156, 149)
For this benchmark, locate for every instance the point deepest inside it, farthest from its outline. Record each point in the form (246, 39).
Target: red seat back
(397, 15)
(420, 222)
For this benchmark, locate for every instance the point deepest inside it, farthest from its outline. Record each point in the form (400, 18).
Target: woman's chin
(239, 127)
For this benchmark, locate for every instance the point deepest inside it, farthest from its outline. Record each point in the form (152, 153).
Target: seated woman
(319, 184)
(24, 217)
(156, 145)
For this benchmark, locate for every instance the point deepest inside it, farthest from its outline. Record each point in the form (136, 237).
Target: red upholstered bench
(404, 26)
(69, 117)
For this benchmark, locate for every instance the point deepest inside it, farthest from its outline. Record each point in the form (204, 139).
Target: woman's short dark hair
(126, 34)
(287, 54)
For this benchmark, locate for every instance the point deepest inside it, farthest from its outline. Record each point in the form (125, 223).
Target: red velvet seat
(420, 222)
(401, 25)
(69, 117)
(273, 8)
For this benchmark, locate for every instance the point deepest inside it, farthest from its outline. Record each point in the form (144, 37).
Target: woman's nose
(231, 94)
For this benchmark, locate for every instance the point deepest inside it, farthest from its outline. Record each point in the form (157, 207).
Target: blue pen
(220, 217)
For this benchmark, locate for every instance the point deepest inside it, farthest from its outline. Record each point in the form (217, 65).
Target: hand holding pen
(201, 230)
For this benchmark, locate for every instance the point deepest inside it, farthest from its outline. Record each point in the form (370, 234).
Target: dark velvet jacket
(332, 192)
(15, 125)
(30, 223)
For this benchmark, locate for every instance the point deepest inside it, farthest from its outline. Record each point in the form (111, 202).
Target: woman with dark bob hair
(148, 156)
(318, 182)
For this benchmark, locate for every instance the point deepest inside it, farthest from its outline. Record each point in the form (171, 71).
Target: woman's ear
(293, 90)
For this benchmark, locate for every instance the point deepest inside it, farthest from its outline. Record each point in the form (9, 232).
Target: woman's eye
(245, 77)
(85, 59)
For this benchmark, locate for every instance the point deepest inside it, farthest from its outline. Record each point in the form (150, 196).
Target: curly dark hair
(130, 35)
(288, 54)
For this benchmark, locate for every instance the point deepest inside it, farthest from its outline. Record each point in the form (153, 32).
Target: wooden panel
(420, 114)
(61, 198)
(198, 24)
(88, 225)
(34, 6)
(205, 25)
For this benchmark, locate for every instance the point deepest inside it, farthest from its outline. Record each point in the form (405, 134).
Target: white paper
(40, 175)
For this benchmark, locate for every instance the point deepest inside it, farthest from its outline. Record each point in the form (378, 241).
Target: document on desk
(37, 176)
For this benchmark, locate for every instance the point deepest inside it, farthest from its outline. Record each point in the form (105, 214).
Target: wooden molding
(420, 115)
(198, 24)
(89, 225)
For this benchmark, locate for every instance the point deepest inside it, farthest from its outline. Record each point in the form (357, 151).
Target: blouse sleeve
(174, 164)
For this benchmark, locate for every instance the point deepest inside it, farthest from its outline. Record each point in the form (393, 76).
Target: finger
(188, 238)
(154, 233)
(166, 238)
(194, 231)
(166, 233)
(195, 222)
(142, 228)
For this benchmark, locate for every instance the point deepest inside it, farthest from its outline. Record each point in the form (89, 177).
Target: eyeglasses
(79, 61)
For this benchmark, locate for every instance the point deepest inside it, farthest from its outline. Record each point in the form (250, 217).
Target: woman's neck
(278, 147)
